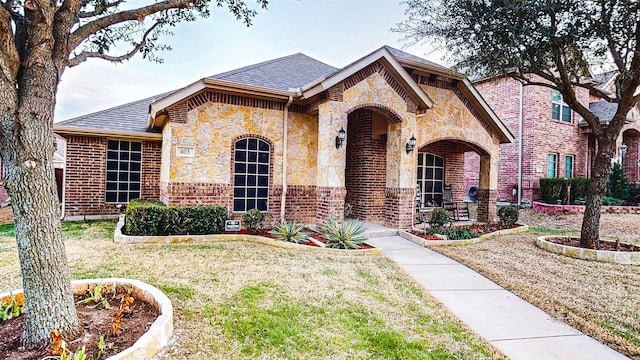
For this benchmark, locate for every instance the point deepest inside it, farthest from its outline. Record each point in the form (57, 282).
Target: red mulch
(93, 322)
(604, 244)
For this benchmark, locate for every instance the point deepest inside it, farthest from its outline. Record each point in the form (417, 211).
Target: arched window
(430, 177)
(251, 175)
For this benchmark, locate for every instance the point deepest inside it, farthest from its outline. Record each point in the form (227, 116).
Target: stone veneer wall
(85, 175)
(366, 168)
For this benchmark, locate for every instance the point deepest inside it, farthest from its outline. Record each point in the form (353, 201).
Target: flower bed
(551, 208)
(563, 245)
(480, 232)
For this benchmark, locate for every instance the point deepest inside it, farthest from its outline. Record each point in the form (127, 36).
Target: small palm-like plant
(348, 235)
(291, 232)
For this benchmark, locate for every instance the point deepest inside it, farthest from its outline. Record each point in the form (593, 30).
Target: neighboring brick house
(556, 142)
(222, 140)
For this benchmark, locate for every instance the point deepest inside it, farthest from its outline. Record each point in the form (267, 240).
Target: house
(550, 139)
(292, 137)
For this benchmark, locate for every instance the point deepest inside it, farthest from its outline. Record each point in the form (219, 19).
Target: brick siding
(399, 207)
(85, 175)
(453, 168)
(330, 203)
(366, 168)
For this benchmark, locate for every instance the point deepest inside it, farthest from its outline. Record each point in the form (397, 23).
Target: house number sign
(185, 151)
(232, 225)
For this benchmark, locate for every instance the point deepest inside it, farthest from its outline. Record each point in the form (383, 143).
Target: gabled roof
(605, 111)
(288, 72)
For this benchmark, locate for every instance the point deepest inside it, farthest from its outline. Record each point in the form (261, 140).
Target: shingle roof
(131, 117)
(605, 111)
(604, 78)
(289, 72)
(399, 54)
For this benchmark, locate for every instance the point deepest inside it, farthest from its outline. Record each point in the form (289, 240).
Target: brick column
(399, 207)
(330, 203)
(487, 210)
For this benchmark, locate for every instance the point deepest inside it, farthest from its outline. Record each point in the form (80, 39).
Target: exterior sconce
(623, 150)
(411, 144)
(340, 138)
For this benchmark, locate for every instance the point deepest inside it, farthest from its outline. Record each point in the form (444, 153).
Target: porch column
(487, 192)
(401, 174)
(330, 189)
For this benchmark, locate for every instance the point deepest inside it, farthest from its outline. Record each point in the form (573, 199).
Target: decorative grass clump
(348, 235)
(290, 232)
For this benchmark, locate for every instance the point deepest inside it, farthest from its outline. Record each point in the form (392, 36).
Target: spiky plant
(291, 232)
(348, 235)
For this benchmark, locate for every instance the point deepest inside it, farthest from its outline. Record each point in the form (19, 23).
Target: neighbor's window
(568, 166)
(552, 165)
(251, 175)
(124, 170)
(559, 109)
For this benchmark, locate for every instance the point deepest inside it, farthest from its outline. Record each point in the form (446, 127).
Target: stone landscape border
(616, 257)
(579, 209)
(426, 243)
(158, 335)
(119, 237)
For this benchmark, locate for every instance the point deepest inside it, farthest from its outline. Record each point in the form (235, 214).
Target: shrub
(608, 200)
(291, 232)
(348, 235)
(508, 215)
(148, 218)
(634, 194)
(459, 233)
(439, 218)
(618, 184)
(552, 190)
(253, 220)
(579, 186)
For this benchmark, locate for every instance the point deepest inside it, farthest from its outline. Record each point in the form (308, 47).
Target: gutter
(64, 183)
(285, 127)
(520, 127)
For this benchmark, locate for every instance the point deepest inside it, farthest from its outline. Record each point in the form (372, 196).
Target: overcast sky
(336, 32)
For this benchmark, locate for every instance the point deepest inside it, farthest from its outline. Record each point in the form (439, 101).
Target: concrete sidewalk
(517, 328)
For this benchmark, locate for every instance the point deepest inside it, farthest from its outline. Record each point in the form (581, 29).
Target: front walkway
(517, 328)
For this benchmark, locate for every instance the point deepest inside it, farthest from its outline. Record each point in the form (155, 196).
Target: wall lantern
(623, 150)
(340, 138)
(411, 144)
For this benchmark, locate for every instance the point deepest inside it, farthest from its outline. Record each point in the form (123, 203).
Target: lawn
(251, 301)
(602, 300)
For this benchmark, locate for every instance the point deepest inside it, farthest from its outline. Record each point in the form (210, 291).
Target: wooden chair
(457, 211)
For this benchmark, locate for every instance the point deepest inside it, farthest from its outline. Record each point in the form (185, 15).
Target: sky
(336, 32)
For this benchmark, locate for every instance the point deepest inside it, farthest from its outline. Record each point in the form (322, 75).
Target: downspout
(285, 126)
(64, 181)
(520, 126)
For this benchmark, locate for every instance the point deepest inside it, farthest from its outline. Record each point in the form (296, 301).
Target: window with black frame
(124, 171)
(251, 175)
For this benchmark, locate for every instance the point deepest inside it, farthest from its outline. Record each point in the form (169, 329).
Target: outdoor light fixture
(411, 144)
(340, 138)
(623, 150)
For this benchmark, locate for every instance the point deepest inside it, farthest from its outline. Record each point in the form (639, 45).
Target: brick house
(553, 142)
(348, 140)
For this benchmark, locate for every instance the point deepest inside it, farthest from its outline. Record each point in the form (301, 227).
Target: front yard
(251, 301)
(601, 300)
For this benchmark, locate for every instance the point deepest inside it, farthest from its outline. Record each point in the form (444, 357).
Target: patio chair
(457, 211)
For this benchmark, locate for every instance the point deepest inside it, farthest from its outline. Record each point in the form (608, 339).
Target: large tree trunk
(27, 149)
(590, 234)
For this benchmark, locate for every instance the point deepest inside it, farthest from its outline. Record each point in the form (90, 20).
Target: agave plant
(291, 232)
(348, 235)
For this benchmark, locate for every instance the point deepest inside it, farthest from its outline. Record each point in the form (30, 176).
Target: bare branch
(83, 56)
(9, 57)
(606, 17)
(83, 32)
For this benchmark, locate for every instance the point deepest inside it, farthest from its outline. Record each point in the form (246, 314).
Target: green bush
(291, 232)
(634, 194)
(148, 218)
(253, 220)
(609, 200)
(552, 190)
(579, 186)
(348, 235)
(508, 215)
(439, 218)
(459, 233)
(618, 183)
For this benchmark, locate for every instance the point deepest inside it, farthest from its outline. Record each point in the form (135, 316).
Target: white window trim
(562, 105)
(573, 166)
(555, 171)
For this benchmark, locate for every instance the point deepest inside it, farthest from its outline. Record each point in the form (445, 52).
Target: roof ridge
(258, 65)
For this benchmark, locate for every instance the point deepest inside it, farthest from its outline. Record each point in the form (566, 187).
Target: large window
(430, 177)
(124, 170)
(552, 165)
(559, 110)
(568, 166)
(251, 175)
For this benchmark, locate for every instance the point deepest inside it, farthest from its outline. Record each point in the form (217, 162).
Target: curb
(614, 257)
(426, 243)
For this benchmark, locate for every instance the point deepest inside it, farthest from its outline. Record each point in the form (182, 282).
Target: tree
(38, 40)
(549, 43)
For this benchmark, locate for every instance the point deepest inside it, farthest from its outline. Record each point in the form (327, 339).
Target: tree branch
(83, 32)
(83, 56)
(9, 56)
(99, 10)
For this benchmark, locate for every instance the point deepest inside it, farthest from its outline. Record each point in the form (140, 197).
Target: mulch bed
(94, 323)
(604, 244)
(479, 229)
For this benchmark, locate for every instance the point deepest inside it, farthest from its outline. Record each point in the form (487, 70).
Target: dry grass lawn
(252, 301)
(601, 300)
